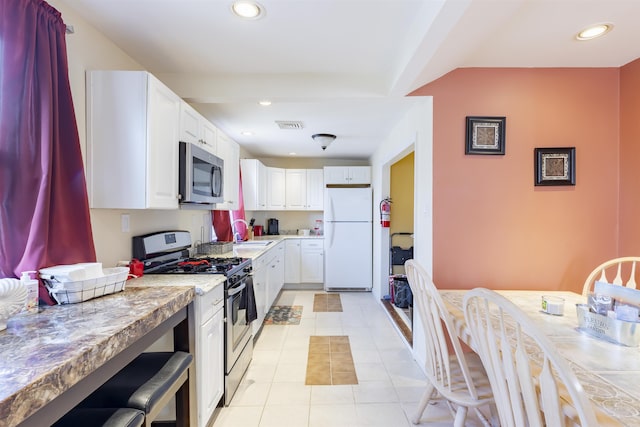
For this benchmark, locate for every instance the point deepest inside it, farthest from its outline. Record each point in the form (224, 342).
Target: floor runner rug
(330, 361)
(327, 302)
(284, 315)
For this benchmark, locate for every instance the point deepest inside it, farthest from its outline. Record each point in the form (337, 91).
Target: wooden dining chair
(458, 377)
(533, 385)
(620, 267)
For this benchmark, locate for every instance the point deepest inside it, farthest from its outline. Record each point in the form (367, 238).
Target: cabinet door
(208, 137)
(296, 189)
(262, 186)
(315, 189)
(312, 261)
(249, 168)
(292, 261)
(162, 146)
(359, 175)
(229, 151)
(275, 188)
(336, 175)
(211, 366)
(260, 292)
(189, 123)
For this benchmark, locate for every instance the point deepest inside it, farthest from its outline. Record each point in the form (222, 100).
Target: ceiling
(345, 66)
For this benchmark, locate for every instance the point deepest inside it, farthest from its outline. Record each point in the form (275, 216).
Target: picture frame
(555, 166)
(485, 135)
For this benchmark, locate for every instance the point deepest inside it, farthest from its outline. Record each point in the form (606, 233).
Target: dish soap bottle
(32, 291)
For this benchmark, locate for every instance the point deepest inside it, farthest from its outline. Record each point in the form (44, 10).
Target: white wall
(413, 132)
(88, 49)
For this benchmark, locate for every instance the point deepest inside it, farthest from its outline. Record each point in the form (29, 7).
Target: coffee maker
(272, 226)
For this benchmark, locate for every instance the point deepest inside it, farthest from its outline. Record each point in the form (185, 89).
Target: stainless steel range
(167, 252)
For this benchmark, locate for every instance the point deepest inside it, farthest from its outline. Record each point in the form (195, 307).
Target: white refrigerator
(348, 239)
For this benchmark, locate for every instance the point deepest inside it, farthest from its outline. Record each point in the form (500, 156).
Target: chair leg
(424, 401)
(461, 416)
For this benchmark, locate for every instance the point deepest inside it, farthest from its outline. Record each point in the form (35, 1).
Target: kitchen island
(51, 360)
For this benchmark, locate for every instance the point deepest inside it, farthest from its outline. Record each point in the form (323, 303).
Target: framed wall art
(555, 166)
(485, 135)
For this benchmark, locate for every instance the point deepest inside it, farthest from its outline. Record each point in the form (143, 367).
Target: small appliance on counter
(257, 230)
(272, 227)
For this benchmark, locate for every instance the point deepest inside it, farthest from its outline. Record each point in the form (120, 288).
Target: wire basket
(113, 281)
(214, 248)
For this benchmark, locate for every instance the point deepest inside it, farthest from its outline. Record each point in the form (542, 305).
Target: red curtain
(44, 210)
(222, 220)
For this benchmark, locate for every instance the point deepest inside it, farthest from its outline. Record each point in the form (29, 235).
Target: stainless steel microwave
(201, 175)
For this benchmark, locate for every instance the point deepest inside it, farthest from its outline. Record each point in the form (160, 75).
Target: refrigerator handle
(328, 232)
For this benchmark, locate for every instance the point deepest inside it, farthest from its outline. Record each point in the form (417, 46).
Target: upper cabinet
(132, 141)
(229, 151)
(276, 188)
(194, 128)
(304, 189)
(254, 184)
(347, 175)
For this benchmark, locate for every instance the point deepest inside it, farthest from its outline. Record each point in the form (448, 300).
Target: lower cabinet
(209, 353)
(275, 274)
(312, 261)
(260, 291)
(304, 261)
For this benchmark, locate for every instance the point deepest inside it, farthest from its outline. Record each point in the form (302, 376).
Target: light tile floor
(390, 383)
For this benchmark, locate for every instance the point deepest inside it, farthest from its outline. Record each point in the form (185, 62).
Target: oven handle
(236, 290)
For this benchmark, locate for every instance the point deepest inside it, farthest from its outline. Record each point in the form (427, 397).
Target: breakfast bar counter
(51, 360)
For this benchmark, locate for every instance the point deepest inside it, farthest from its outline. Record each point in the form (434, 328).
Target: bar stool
(146, 384)
(102, 417)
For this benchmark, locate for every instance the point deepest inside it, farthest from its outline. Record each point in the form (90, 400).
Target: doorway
(399, 303)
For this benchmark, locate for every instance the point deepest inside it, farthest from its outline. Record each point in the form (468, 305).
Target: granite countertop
(42, 355)
(202, 283)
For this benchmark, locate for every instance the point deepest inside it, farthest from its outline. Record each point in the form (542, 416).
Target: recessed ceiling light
(594, 31)
(247, 9)
(246, 133)
(265, 103)
(292, 153)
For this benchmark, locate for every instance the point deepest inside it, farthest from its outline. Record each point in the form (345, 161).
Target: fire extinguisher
(385, 212)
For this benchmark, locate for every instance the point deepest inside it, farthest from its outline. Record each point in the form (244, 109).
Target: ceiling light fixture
(324, 139)
(265, 103)
(246, 133)
(594, 31)
(247, 9)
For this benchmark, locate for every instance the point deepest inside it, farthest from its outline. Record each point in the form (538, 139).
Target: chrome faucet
(236, 234)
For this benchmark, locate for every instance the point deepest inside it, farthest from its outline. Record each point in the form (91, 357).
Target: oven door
(200, 175)
(237, 328)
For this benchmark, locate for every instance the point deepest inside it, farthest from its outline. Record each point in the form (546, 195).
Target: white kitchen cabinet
(292, 261)
(351, 175)
(276, 189)
(296, 189)
(194, 128)
(304, 189)
(254, 184)
(275, 273)
(260, 291)
(209, 352)
(229, 151)
(315, 189)
(132, 141)
(311, 260)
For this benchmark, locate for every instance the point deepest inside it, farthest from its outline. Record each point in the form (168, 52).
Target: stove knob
(247, 269)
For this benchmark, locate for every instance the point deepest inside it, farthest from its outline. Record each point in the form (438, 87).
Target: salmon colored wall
(492, 227)
(630, 159)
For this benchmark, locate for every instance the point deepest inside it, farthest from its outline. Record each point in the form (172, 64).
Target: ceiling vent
(289, 125)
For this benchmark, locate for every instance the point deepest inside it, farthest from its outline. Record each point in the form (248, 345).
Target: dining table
(608, 372)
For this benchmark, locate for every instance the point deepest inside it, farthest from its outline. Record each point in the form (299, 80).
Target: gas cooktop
(167, 252)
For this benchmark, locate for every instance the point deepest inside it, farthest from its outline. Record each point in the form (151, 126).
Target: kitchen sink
(254, 243)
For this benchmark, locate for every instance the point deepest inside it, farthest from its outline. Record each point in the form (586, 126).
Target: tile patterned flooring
(273, 392)
(327, 302)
